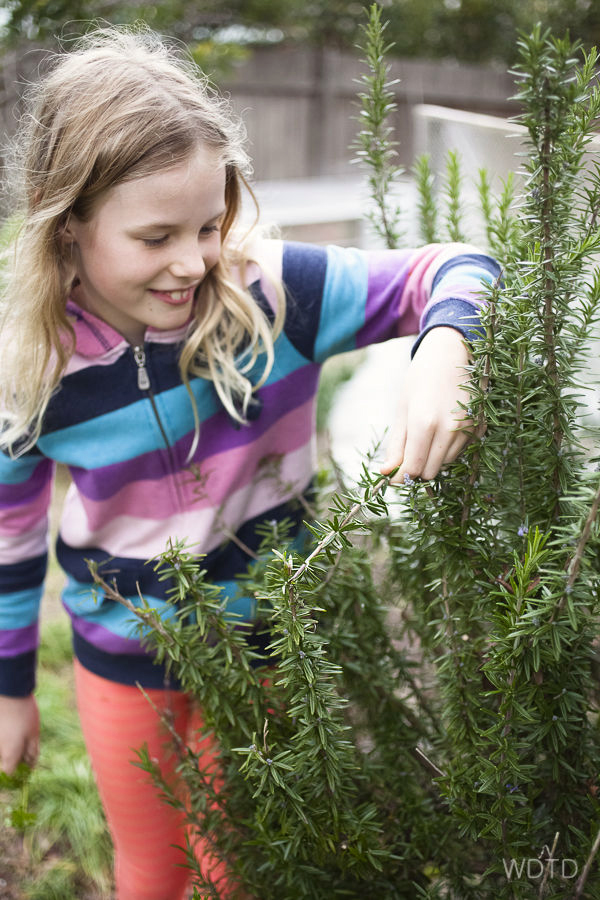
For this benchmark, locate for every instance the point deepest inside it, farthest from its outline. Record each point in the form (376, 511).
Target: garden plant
(426, 720)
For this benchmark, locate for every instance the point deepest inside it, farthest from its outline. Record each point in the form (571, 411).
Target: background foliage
(469, 30)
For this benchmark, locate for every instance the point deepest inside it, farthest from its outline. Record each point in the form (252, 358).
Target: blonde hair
(121, 105)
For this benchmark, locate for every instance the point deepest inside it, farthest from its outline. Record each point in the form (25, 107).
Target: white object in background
(366, 405)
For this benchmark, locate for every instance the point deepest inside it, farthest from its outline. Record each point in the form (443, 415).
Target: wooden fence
(299, 103)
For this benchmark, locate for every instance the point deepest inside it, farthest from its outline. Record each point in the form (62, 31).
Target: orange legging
(116, 720)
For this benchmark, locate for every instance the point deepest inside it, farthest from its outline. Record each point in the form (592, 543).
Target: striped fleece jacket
(122, 422)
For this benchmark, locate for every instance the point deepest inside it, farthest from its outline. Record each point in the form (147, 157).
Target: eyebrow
(169, 225)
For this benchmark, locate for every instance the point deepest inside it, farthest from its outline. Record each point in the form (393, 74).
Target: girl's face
(149, 244)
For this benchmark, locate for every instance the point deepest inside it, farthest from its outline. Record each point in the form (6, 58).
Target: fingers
(19, 732)
(424, 455)
(17, 752)
(432, 424)
(415, 457)
(10, 758)
(394, 453)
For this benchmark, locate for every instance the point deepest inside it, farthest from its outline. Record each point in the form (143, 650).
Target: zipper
(143, 380)
(139, 354)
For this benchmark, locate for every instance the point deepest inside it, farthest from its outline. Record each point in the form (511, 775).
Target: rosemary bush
(425, 721)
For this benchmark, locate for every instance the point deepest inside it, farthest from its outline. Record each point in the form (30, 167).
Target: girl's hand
(431, 429)
(19, 732)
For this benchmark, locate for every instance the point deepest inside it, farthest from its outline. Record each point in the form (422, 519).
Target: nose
(188, 261)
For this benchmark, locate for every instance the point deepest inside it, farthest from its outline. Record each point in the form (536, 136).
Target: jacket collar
(96, 338)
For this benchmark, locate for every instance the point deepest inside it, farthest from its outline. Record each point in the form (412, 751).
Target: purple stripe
(25, 491)
(103, 638)
(216, 436)
(15, 641)
(387, 278)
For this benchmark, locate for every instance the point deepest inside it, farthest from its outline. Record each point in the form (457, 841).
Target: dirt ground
(13, 865)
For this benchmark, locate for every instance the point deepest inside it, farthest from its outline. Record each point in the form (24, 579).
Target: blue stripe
(344, 301)
(16, 471)
(93, 607)
(20, 608)
(242, 608)
(116, 618)
(133, 429)
(287, 360)
(480, 262)
(175, 409)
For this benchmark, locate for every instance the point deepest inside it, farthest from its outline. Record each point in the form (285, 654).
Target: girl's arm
(342, 298)
(431, 428)
(25, 488)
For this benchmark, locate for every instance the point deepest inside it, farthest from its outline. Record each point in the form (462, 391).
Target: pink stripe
(16, 548)
(204, 528)
(209, 484)
(25, 517)
(93, 336)
(79, 361)
(422, 274)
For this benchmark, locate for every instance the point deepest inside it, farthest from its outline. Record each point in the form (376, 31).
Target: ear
(67, 233)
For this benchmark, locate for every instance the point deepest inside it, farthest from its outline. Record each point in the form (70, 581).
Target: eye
(209, 229)
(155, 242)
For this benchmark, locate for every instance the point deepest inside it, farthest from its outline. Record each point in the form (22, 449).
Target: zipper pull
(140, 359)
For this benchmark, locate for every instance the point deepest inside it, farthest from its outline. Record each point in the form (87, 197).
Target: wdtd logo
(545, 865)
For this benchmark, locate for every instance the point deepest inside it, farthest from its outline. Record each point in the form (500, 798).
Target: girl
(172, 367)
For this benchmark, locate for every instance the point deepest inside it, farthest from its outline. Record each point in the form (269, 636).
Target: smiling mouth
(176, 298)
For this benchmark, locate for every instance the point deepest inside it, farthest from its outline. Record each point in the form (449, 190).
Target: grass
(66, 853)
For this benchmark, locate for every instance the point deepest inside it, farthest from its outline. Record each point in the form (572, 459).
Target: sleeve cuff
(17, 674)
(453, 313)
